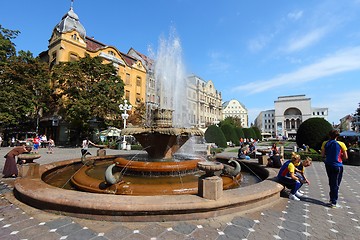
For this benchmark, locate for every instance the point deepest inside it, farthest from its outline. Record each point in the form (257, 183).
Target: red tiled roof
(93, 45)
(128, 59)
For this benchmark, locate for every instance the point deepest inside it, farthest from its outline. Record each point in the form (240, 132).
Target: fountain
(133, 201)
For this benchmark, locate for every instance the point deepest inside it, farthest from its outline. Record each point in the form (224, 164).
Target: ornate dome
(70, 21)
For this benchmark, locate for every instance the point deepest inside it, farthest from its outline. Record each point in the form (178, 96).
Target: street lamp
(124, 107)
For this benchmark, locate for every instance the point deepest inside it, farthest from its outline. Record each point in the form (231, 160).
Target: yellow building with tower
(69, 42)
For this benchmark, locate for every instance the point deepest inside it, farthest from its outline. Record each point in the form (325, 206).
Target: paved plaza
(285, 219)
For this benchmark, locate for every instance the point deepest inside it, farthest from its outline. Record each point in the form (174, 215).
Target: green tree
(313, 132)
(240, 133)
(88, 90)
(249, 133)
(257, 133)
(7, 47)
(25, 93)
(230, 133)
(356, 118)
(213, 134)
(234, 121)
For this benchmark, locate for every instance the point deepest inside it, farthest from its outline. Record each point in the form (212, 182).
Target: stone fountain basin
(37, 193)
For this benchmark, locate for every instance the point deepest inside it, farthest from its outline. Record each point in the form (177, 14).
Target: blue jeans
(335, 176)
(292, 184)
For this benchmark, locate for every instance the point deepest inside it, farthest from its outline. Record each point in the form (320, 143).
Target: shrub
(213, 134)
(313, 132)
(249, 133)
(230, 133)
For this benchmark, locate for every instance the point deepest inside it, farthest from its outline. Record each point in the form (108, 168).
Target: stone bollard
(210, 187)
(29, 170)
(101, 152)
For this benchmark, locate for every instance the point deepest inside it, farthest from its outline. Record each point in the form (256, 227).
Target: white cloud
(295, 15)
(306, 40)
(342, 61)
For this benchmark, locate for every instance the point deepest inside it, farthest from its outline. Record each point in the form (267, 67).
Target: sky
(253, 50)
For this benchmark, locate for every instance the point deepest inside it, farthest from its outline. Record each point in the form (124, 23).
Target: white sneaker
(302, 192)
(298, 194)
(293, 197)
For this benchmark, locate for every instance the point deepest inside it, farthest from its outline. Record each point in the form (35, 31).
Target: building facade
(235, 109)
(289, 113)
(204, 102)
(69, 42)
(265, 122)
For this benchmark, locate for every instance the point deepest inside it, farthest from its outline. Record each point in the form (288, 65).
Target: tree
(86, 91)
(230, 133)
(356, 119)
(249, 133)
(213, 134)
(257, 133)
(235, 121)
(7, 47)
(25, 91)
(240, 133)
(313, 132)
(138, 115)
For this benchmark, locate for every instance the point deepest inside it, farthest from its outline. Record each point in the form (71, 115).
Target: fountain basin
(39, 194)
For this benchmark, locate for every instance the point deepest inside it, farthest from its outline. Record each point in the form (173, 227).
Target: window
(138, 81)
(75, 37)
(127, 79)
(73, 57)
(111, 53)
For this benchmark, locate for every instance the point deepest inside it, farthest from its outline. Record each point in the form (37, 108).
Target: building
(289, 113)
(266, 123)
(204, 102)
(235, 109)
(69, 42)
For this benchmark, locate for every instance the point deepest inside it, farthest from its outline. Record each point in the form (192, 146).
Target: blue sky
(254, 51)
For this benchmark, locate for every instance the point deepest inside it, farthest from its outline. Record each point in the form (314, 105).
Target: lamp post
(124, 107)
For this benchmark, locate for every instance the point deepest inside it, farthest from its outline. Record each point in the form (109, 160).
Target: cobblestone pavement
(286, 219)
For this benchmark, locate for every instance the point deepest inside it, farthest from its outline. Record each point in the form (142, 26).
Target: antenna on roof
(72, 4)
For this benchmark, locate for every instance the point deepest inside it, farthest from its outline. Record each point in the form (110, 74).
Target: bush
(313, 155)
(214, 134)
(239, 132)
(313, 132)
(249, 133)
(230, 134)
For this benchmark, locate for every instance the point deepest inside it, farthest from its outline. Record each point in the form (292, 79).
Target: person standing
(36, 142)
(51, 145)
(85, 146)
(1, 140)
(334, 152)
(10, 167)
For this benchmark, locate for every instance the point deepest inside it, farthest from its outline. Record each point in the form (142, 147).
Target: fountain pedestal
(210, 187)
(29, 170)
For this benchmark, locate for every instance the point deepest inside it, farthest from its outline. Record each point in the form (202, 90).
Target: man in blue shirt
(334, 151)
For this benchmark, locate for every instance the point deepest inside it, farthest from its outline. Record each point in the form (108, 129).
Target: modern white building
(289, 113)
(235, 109)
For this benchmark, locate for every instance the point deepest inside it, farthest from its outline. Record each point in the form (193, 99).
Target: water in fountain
(171, 81)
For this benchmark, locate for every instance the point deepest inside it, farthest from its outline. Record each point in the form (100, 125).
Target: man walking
(335, 152)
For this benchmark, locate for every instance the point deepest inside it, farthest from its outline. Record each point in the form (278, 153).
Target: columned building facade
(289, 113)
